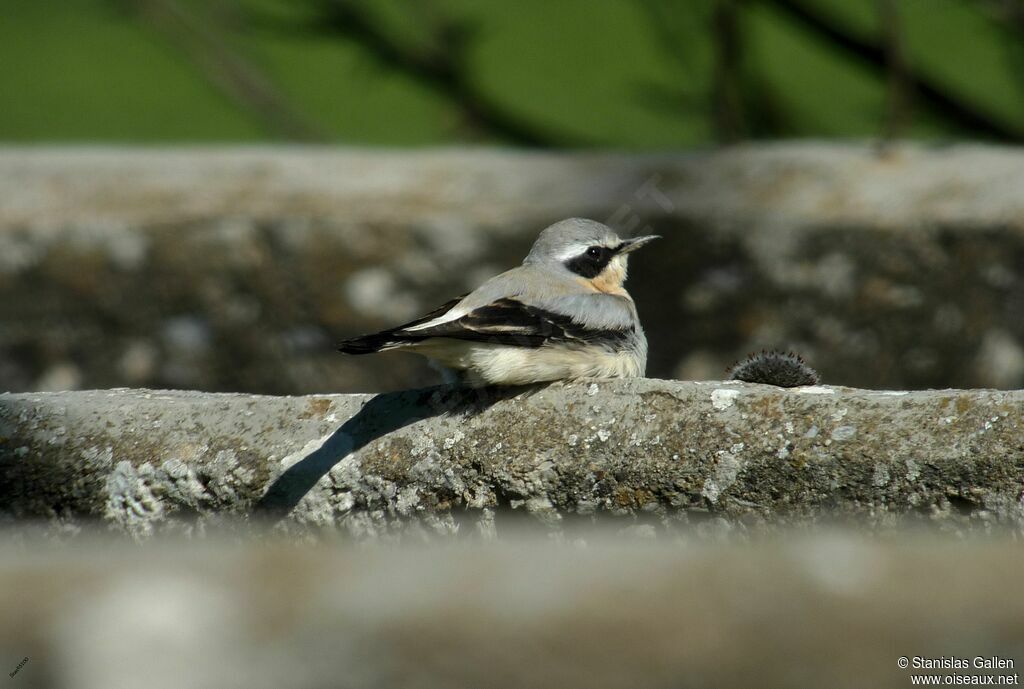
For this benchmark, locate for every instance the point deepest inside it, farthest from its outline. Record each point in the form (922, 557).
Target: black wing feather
(504, 322)
(368, 344)
(511, 322)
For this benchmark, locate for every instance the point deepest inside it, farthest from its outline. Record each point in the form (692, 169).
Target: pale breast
(514, 366)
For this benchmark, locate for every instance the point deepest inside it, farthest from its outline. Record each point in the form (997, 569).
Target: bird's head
(587, 249)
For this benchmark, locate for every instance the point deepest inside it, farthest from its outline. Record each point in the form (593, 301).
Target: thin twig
(231, 73)
(443, 69)
(897, 91)
(727, 103)
(929, 92)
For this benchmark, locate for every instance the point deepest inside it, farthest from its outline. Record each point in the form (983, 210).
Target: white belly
(489, 364)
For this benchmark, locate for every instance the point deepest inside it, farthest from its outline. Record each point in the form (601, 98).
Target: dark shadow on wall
(383, 414)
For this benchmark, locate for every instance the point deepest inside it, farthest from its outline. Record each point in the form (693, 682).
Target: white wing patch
(453, 314)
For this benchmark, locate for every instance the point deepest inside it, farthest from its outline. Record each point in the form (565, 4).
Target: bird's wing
(390, 338)
(524, 307)
(512, 321)
(439, 313)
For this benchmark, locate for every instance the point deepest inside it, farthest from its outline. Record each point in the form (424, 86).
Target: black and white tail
(393, 337)
(377, 342)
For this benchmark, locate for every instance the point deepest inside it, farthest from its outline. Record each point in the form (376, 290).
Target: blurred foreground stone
(829, 611)
(645, 456)
(235, 269)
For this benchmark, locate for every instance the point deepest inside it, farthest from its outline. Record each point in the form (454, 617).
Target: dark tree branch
(1009, 16)
(873, 53)
(738, 104)
(727, 99)
(898, 96)
(442, 68)
(232, 74)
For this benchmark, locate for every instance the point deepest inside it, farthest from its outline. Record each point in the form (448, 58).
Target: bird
(561, 315)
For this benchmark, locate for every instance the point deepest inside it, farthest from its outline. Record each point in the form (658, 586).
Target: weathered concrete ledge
(829, 611)
(645, 455)
(235, 269)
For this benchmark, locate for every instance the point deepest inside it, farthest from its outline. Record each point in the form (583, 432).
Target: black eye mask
(591, 262)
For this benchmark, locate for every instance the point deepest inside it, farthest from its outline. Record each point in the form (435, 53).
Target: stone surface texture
(640, 455)
(236, 269)
(828, 611)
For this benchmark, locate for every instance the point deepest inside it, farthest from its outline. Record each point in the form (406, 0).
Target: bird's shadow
(383, 414)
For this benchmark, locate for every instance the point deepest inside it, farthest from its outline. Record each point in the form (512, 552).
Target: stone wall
(609, 533)
(828, 611)
(236, 269)
(646, 456)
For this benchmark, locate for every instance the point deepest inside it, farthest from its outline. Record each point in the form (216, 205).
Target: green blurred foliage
(610, 73)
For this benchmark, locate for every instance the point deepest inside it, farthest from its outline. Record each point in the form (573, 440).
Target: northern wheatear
(563, 314)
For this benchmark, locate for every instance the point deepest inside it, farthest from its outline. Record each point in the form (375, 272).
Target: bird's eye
(594, 252)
